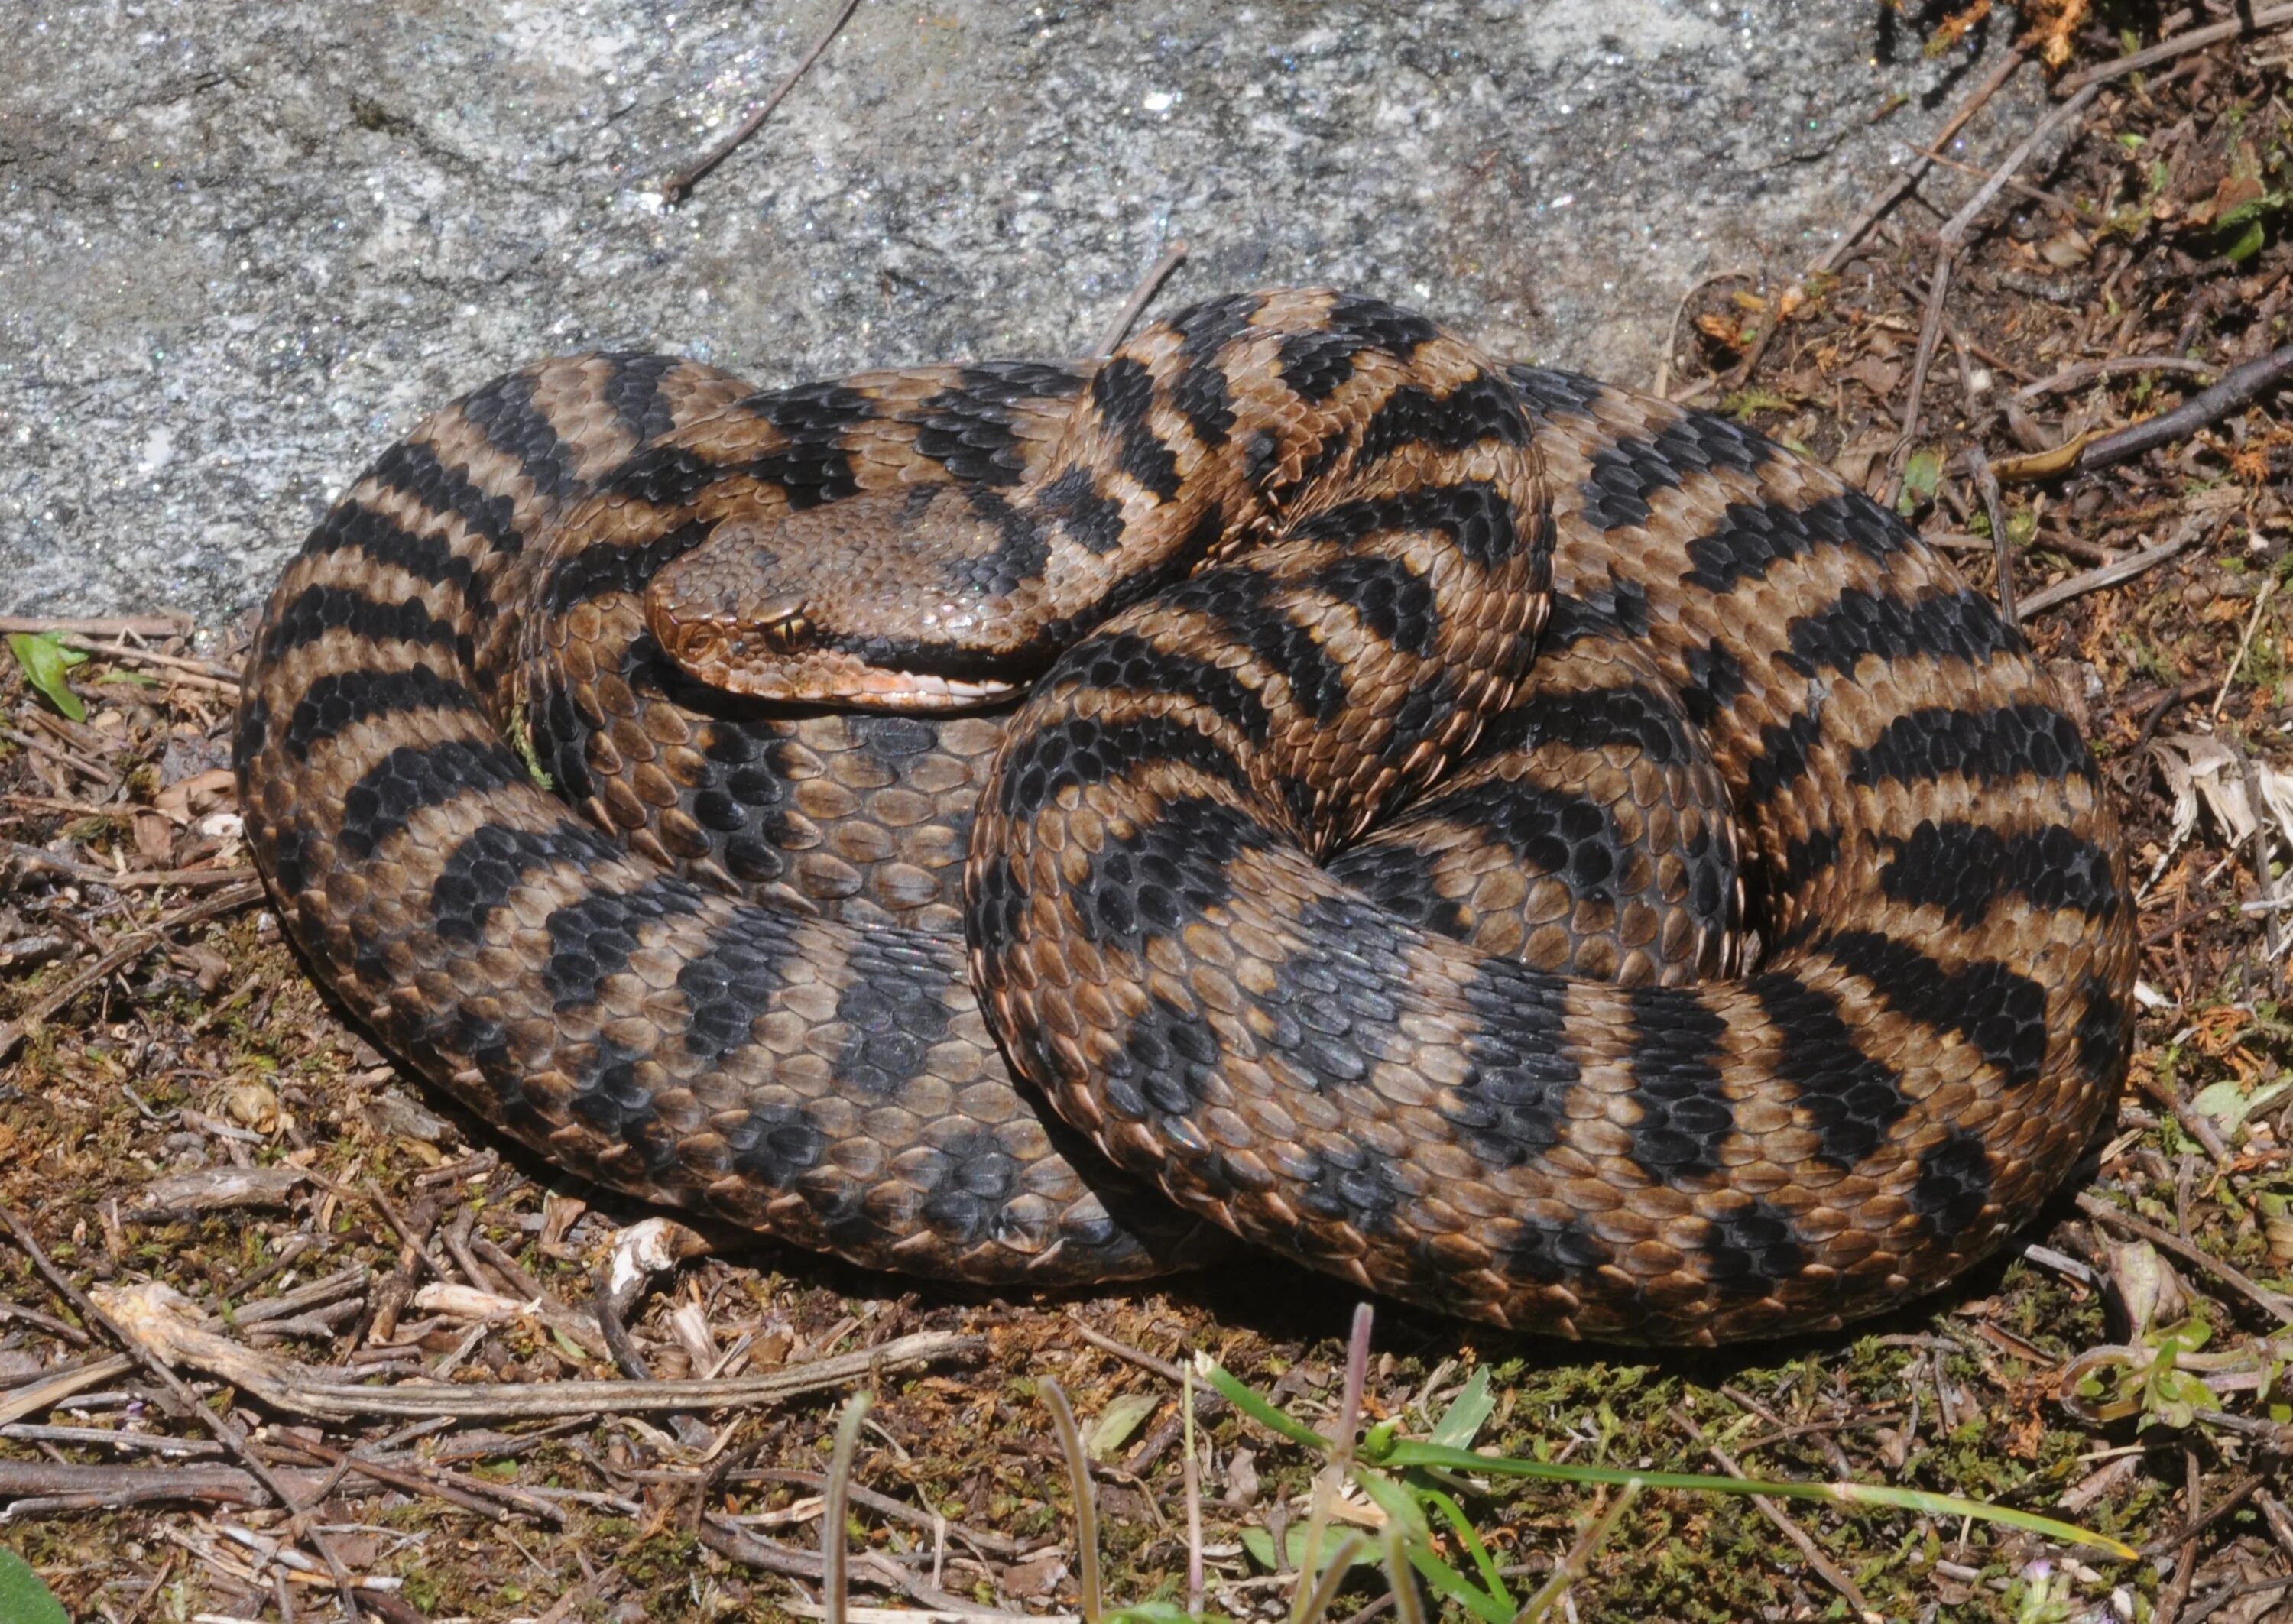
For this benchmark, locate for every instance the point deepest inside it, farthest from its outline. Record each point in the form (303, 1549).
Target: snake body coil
(1370, 747)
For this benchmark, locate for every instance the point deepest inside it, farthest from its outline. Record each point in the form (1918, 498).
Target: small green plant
(45, 659)
(24, 1598)
(1419, 1489)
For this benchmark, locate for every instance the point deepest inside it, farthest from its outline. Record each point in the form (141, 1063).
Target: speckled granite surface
(244, 245)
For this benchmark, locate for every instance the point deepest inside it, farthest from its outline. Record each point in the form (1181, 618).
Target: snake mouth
(762, 661)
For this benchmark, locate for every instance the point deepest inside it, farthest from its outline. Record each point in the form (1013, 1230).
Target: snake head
(860, 602)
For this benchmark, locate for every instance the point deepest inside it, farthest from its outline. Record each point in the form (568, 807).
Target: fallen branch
(2196, 39)
(163, 1321)
(2071, 376)
(2109, 575)
(109, 626)
(2237, 386)
(680, 185)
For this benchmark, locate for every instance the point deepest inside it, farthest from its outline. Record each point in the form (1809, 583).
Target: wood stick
(113, 626)
(2109, 575)
(2196, 39)
(2238, 385)
(2165, 1240)
(1173, 257)
(680, 185)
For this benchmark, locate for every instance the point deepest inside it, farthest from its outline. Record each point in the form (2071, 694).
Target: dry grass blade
(1578, 1561)
(833, 1538)
(1055, 1399)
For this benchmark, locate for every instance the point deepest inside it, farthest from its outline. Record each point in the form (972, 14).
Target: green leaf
(24, 1599)
(1150, 1612)
(1466, 1414)
(1260, 1543)
(2249, 243)
(44, 661)
(1486, 1564)
(1117, 1422)
(1922, 477)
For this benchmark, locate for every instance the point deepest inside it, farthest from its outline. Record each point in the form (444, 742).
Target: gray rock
(244, 246)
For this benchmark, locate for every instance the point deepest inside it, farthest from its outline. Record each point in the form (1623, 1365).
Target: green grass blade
(1462, 1527)
(1257, 1408)
(1405, 1454)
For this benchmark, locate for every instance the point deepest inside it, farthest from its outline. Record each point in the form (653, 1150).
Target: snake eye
(785, 633)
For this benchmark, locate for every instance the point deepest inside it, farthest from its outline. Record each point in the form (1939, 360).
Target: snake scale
(1513, 844)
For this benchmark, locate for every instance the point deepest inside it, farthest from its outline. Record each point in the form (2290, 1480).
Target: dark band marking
(1123, 393)
(1951, 625)
(1165, 874)
(2001, 1013)
(664, 476)
(1617, 612)
(1022, 550)
(1965, 868)
(1079, 752)
(894, 1009)
(414, 777)
(1166, 1067)
(1753, 537)
(1805, 857)
(1336, 998)
(1850, 1099)
(633, 391)
(1548, 1254)
(492, 861)
(414, 469)
(1626, 476)
(340, 700)
(1552, 394)
(592, 939)
(1715, 681)
(1315, 364)
(1953, 1186)
(1751, 1251)
(1128, 662)
(968, 429)
(1782, 759)
(1393, 600)
(513, 424)
(2102, 1031)
(1676, 1055)
(317, 610)
(1480, 410)
(1560, 832)
(603, 568)
(1200, 390)
(1244, 602)
(1346, 1182)
(1510, 1107)
(1405, 882)
(776, 1145)
(1630, 715)
(967, 1182)
(1088, 515)
(1986, 745)
(730, 984)
(1473, 515)
(1379, 326)
(427, 558)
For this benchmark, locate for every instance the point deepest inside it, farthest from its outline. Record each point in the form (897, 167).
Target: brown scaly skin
(759, 1007)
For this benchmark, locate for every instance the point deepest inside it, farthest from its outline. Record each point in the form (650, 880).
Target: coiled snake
(1330, 755)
